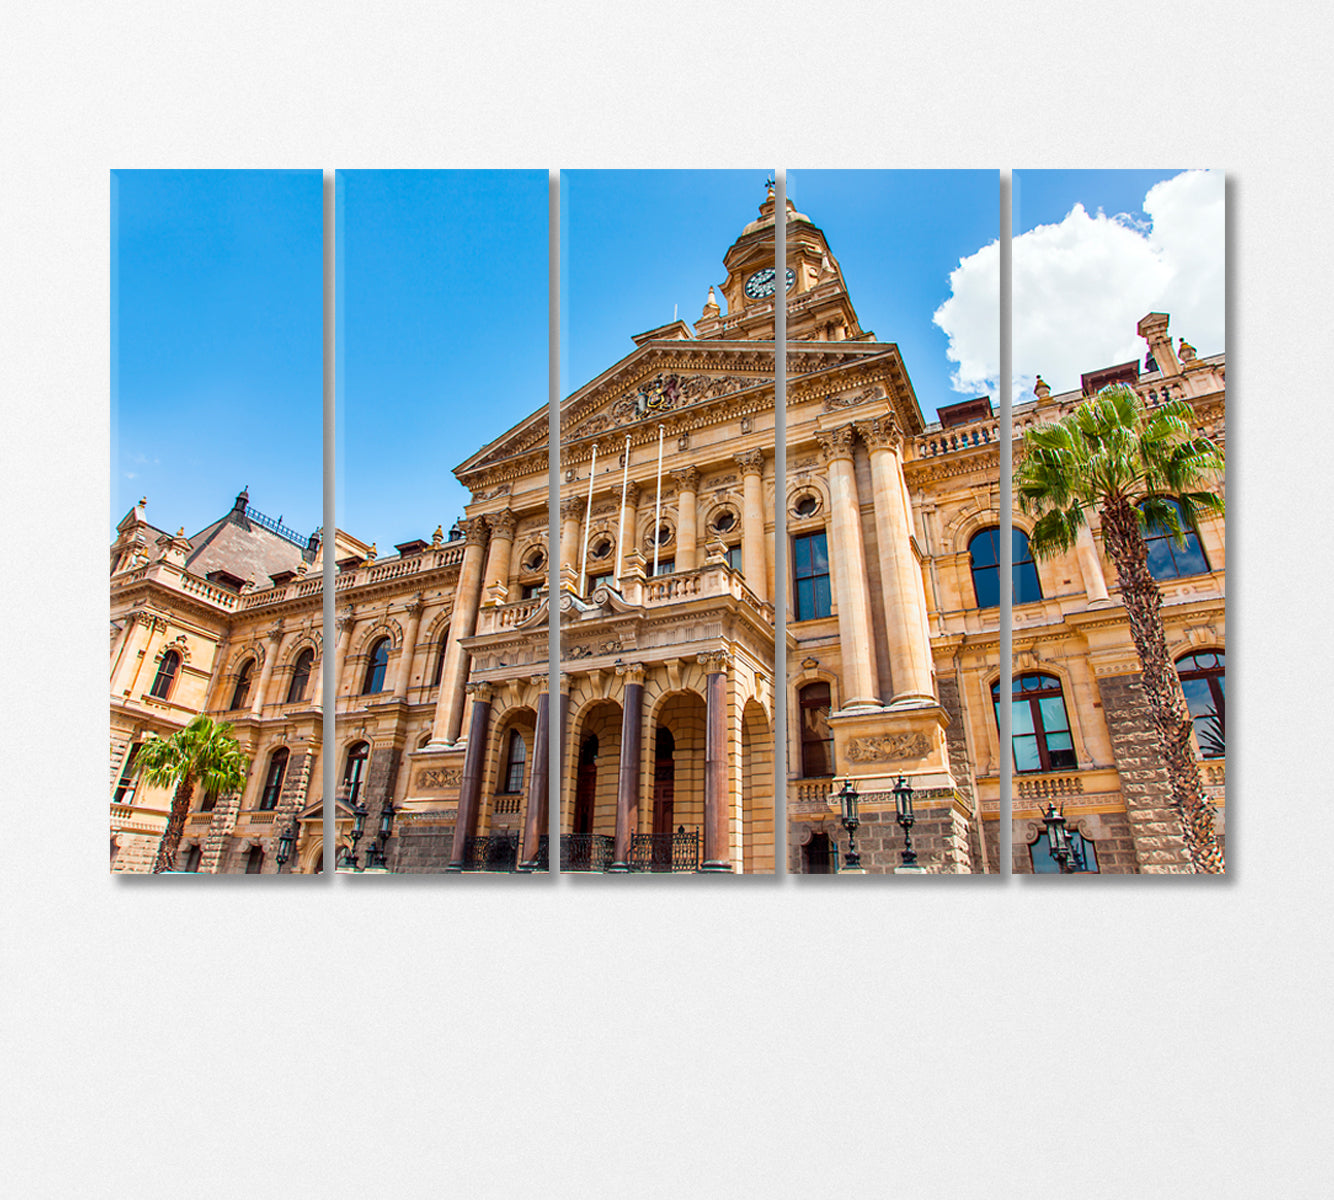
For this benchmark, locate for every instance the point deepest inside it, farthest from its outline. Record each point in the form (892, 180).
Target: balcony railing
(586, 851)
(677, 851)
(495, 852)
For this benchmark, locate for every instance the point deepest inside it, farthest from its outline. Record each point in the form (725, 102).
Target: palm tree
(203, 754)
(1135, 466)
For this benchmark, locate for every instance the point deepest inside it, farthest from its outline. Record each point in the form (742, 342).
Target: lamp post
(358, 828)
(286, 841)
(375, 856)
(847, 799)
(1068, 858)
(906, 819)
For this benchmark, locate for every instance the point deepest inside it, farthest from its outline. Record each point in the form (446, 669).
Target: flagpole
(657, 504)
(620, 521)
(588, 517)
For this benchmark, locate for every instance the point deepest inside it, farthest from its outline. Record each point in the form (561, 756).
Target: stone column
(404, 674)
(687, 536)
(495, 587)
(467, 597)
(848, 566)
(571, 513)
(346, 622)
(535, 816)
(1090, 569)
(563, 716)
(752, 522)
(271, 654)
(627, 784)
(900, 576)
(474, 767)
(717, 857)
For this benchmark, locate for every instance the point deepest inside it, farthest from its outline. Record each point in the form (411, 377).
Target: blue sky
(1046, 197)
(216, 344)
(637, 243)
(442, 301)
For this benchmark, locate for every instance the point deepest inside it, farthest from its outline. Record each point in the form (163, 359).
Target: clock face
(761, 283)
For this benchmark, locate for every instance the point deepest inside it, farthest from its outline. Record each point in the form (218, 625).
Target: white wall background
(441, 1037)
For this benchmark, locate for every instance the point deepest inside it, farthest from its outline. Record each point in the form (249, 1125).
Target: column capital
(631, 672)
(571, 509)
(687, 478)
(480, 691)
(275, 632)
(346, 619)
(543, 682)
(564, 682)
(751, 462)
(503, 524)
(715, 662)
(836, 444)
(632, 493)
(416, 606)
(881, 433)
(478, 531)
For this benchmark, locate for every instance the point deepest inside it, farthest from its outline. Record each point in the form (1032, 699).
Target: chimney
(1153, 329)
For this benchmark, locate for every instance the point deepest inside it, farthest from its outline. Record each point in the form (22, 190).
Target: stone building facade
(665, 569)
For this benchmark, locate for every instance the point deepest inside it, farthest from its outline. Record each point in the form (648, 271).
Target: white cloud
(1081, 286)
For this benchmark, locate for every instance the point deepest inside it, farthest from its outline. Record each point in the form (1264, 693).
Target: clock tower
(818, 305)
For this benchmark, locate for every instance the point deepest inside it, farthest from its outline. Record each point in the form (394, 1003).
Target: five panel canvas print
(726, 553)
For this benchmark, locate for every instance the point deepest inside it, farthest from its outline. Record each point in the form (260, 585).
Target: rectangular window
(810, 569)
(734, 557)
(666, 566)
(128, 784)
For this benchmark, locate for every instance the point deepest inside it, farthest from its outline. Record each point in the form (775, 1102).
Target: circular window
(664, 534)
(724, 521)
(534, 561)
(601, 548)
(806, 506)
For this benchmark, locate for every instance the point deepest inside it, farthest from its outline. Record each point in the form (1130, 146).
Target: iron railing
(275, 525)
(586, 851)
(677, 851)
(496, 852)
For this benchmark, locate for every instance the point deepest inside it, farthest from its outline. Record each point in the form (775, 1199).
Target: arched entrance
(664, 797)
(586, 786)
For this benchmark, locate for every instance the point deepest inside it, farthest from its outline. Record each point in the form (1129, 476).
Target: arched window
(354, 770)
(254, 861)
(817, 739)
(273, 781)
(1082, 848)
(1202, 679)
(1167, 559)
(1039, 724)
(984, 551)
(241, 692)
(296, 690)
(375, 667)
(166, 675)
(515, 757)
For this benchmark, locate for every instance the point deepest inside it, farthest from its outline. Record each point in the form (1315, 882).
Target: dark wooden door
(664, 803)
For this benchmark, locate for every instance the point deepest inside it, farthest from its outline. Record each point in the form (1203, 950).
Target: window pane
(1053, 713)
(986, 582)
(1026, 754)
(1021, 717)
(1026, 586)
(1161, 564)
(1062, 760)
(823, 606)
(805, 599)
(1190, 557)
(819, 554)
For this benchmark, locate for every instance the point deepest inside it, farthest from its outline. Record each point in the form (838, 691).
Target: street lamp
(375, 856)
(358, 828)
(847, 798)
(1069, 858)
(285, 843)
(906, 819)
